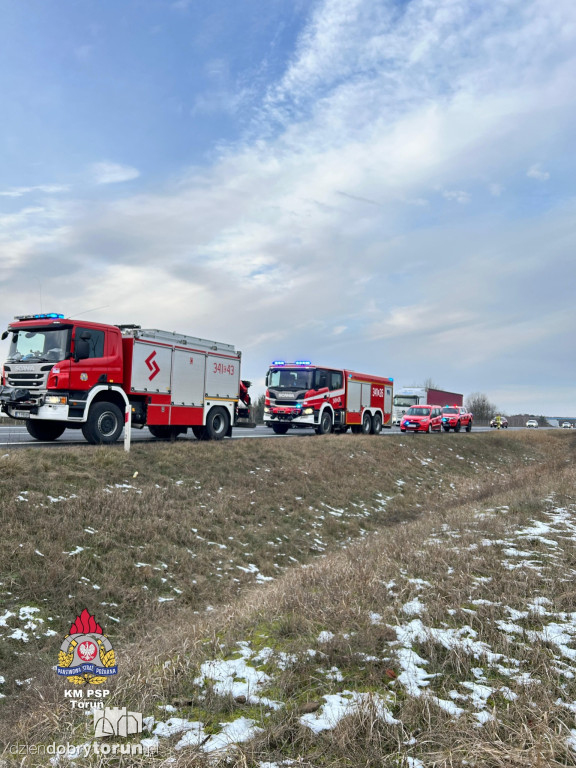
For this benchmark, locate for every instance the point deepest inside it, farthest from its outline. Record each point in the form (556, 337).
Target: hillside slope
(432, 621)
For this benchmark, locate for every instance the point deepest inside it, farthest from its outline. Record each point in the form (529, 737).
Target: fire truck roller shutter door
(354, 396)
(222, 377)
(366, 393)
(151, 368)
(188, 377)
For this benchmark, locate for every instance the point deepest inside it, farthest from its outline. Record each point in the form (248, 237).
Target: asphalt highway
(17, 436)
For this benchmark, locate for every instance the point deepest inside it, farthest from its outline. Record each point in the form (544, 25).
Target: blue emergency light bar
(44, 316)
(296, 362)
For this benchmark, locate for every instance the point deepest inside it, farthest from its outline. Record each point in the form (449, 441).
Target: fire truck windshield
(37, 345)
(289, 378)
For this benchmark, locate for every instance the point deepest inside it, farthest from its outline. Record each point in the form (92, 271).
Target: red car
(454, 417)
(422, 418)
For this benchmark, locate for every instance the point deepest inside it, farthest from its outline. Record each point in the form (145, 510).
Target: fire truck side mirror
(5, 335)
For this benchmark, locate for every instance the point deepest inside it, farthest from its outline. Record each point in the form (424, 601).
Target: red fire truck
(327, 399)
(64, 373)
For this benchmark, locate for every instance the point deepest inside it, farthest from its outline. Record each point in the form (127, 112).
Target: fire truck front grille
(32, 380)
(287, 402)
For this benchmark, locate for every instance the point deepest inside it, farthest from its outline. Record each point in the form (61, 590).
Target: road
(17, 436)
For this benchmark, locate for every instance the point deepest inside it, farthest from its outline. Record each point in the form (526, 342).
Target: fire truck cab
(302, 395)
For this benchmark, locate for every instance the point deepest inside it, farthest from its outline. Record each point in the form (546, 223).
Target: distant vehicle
(503, 422)
(566, 425)
(408, 396)
(455, 418)
(532, 423)
(422, 418)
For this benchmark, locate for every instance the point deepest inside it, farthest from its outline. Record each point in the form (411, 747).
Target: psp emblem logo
(86, 655)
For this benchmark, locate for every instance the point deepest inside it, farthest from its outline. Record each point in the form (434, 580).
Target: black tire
(428, 429)
(446, 429)
(376, 424)
(217, 424)
(104, 425)
(280, 429)
(366, 424)
(325, 425)
(457, 427)
(469, 427)
(45, 430)
(164, 432)
(199, 432)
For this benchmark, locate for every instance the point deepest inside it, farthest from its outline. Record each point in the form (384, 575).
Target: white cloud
(458, 195)
(49, 189)
(536, 172)
(113, 173)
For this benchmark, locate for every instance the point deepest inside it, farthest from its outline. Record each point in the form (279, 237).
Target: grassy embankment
(433, 612)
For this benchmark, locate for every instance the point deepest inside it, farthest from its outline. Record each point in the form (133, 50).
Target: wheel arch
(326, 407)
(106, 395)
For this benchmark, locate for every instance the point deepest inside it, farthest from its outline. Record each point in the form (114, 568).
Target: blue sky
(386, 186)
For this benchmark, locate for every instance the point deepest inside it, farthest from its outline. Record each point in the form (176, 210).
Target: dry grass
(427, 529)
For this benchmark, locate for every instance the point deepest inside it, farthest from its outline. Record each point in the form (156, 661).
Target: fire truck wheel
(325, 426)
(366, 424)
(45, 430)
(446, 429)
(376, 424)
(457, 427)
(428, 429)
(280, 429)
(469, 427)
(199, 432)
(217, 423)
(104, 425)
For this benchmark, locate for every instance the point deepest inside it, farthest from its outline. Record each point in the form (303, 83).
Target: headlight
(266, 409)
(55, 400)
(308, 411)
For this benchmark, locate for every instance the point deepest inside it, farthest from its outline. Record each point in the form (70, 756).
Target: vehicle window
(95, 342)
(289, 378)
(336, 381)
(418, 410)
(39, 345)
(322, 378)
(401, 401)
(449, 410)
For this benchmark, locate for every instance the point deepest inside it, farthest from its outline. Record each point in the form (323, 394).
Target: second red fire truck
(327, 399)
